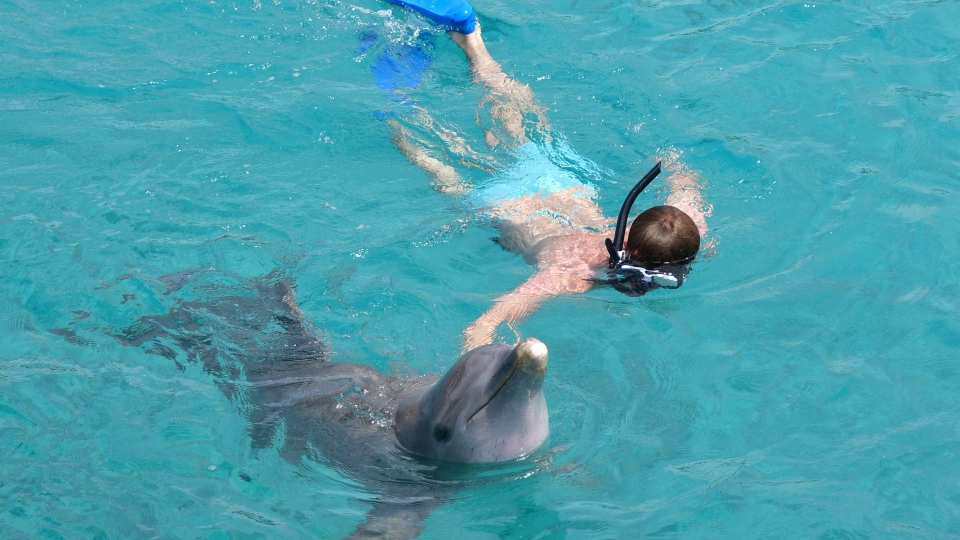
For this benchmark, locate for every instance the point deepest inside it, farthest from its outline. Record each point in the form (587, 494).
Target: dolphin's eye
(441, 433)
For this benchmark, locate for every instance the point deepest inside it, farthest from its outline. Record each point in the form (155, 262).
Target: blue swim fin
(400, 67)
(454, 14)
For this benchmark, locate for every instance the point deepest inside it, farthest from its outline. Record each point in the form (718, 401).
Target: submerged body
(372, 426)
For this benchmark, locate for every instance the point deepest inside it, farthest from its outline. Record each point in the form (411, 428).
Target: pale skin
(563, 232)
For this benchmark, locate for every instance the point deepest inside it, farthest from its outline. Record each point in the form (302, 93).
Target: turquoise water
(802, 383)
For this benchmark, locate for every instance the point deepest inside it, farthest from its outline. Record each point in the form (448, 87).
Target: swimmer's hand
(479, 333)
(515, 306)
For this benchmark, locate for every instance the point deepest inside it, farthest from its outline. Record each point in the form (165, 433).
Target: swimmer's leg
(444, 177)
(452, 141)
(512, 103)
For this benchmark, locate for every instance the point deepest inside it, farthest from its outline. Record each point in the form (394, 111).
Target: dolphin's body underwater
(488, 407)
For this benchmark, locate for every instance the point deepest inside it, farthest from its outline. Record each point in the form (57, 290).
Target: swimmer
(551, 218)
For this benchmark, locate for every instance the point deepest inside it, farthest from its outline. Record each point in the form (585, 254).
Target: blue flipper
(453, 14)
(400, 67)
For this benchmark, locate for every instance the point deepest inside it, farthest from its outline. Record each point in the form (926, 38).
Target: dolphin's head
(488, 407)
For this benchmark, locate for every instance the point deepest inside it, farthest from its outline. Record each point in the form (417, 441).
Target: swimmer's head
(663, 235)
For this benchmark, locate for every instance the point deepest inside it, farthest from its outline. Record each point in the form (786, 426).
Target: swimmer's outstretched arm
(512, 100)
(685, 194)
(516, 305)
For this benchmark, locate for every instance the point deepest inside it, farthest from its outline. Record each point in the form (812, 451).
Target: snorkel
(615, 246)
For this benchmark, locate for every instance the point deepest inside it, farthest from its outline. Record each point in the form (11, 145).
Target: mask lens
(665, 280)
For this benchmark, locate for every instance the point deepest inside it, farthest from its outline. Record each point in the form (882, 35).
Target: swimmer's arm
(516, 305)
(685, 195)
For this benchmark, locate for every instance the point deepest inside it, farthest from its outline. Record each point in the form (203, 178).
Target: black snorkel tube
(615, 246)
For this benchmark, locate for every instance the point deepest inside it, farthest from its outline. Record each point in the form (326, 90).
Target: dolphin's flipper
(396, 519)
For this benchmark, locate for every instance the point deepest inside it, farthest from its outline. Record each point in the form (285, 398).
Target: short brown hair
(663, 235)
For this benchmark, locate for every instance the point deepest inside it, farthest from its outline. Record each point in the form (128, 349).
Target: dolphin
(400, 436)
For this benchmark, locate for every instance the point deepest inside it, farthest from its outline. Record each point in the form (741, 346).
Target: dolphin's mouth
(530, 355)
(506, 379)
(499, 388)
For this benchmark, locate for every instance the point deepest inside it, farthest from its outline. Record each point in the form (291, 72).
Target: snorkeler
(551, 218)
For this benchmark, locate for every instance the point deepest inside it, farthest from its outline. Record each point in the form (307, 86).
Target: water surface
(802, 383)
